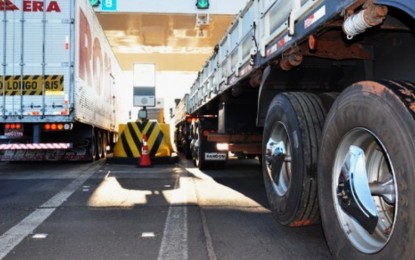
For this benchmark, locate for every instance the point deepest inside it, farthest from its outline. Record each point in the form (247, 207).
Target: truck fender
(265, 95)
(404, 5)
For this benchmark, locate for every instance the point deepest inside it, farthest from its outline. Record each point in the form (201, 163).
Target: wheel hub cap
(278, 159)
(365, 191)
(354, 192)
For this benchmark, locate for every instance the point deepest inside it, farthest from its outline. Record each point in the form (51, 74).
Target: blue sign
(109, 5)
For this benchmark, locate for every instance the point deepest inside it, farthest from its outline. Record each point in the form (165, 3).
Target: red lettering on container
(97, 64)
(27, 6)
(85, 42)
(94, 62)
(8, 5)
(37, 6)
(53, 7)
(30, 6)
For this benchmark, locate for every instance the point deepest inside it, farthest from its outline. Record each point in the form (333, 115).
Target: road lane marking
(40, 236)
(148, 235)
(11, 238)
(174, 243)
(208, 238)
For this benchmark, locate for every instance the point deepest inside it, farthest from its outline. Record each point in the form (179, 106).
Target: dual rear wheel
(356, 172)
(366, 172)
(98, 145)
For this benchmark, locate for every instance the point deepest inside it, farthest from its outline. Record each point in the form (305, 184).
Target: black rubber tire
(92, 148)
(302, 115)
(199, 159)
(194, 152)
(198, 150)
(187, 151)
(99, 143)
(375, 107)
(104, 145)
(327, 99)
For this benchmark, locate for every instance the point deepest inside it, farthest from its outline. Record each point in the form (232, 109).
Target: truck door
(36, 53)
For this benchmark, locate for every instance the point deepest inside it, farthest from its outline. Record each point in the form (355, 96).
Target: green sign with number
(94, 2)
(202, 4)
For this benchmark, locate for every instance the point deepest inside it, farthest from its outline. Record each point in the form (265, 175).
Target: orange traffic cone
(145, 156)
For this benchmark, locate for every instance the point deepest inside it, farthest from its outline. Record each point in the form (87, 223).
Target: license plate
(215, 156)
(14, 132)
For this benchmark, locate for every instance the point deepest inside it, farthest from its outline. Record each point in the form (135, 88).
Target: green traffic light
(202, 4)
(94, 2)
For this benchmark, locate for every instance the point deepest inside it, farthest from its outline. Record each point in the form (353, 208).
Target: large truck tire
(104, 144)
(327, 99)
(92, 151)
(199, 159)
(199, 150)
(99, 143)
(291, 139)
(187, 151)
(366, 172)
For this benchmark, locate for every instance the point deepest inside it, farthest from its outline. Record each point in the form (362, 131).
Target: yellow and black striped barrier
(130, 141)
(31, 85)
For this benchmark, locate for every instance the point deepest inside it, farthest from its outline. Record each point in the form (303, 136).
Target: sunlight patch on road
(110, 193)
(210, 193)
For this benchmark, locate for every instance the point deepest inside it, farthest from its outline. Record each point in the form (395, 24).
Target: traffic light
(94, 3)
(202, 4)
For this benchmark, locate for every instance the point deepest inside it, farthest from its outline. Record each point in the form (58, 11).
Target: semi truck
(324, 91)
(59, 81)
(182, 122)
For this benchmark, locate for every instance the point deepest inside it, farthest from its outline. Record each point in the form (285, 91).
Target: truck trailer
(58, 82)
(324, 91)
(182, 122)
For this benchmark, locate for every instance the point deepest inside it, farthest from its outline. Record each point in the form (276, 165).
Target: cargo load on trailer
(59, 82)
(327, 90)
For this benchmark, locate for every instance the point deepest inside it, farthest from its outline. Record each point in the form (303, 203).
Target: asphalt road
(111, 211)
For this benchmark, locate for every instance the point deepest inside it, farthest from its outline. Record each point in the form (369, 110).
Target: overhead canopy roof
(173, 40)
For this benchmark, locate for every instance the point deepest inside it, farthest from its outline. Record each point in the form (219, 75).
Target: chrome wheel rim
(278, 159)
(364, 176)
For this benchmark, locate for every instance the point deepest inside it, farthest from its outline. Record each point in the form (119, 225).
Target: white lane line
(208, 238)
(174, 242)
(16, 234)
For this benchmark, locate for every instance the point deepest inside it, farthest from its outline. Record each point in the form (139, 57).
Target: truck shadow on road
(239, 218)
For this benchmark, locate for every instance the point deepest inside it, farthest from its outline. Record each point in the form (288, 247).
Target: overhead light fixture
(94, 3)
(202, 20)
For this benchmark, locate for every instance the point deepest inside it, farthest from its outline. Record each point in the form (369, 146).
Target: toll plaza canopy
(176, 35)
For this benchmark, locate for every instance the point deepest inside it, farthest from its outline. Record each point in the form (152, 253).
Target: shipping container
(59, 81)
